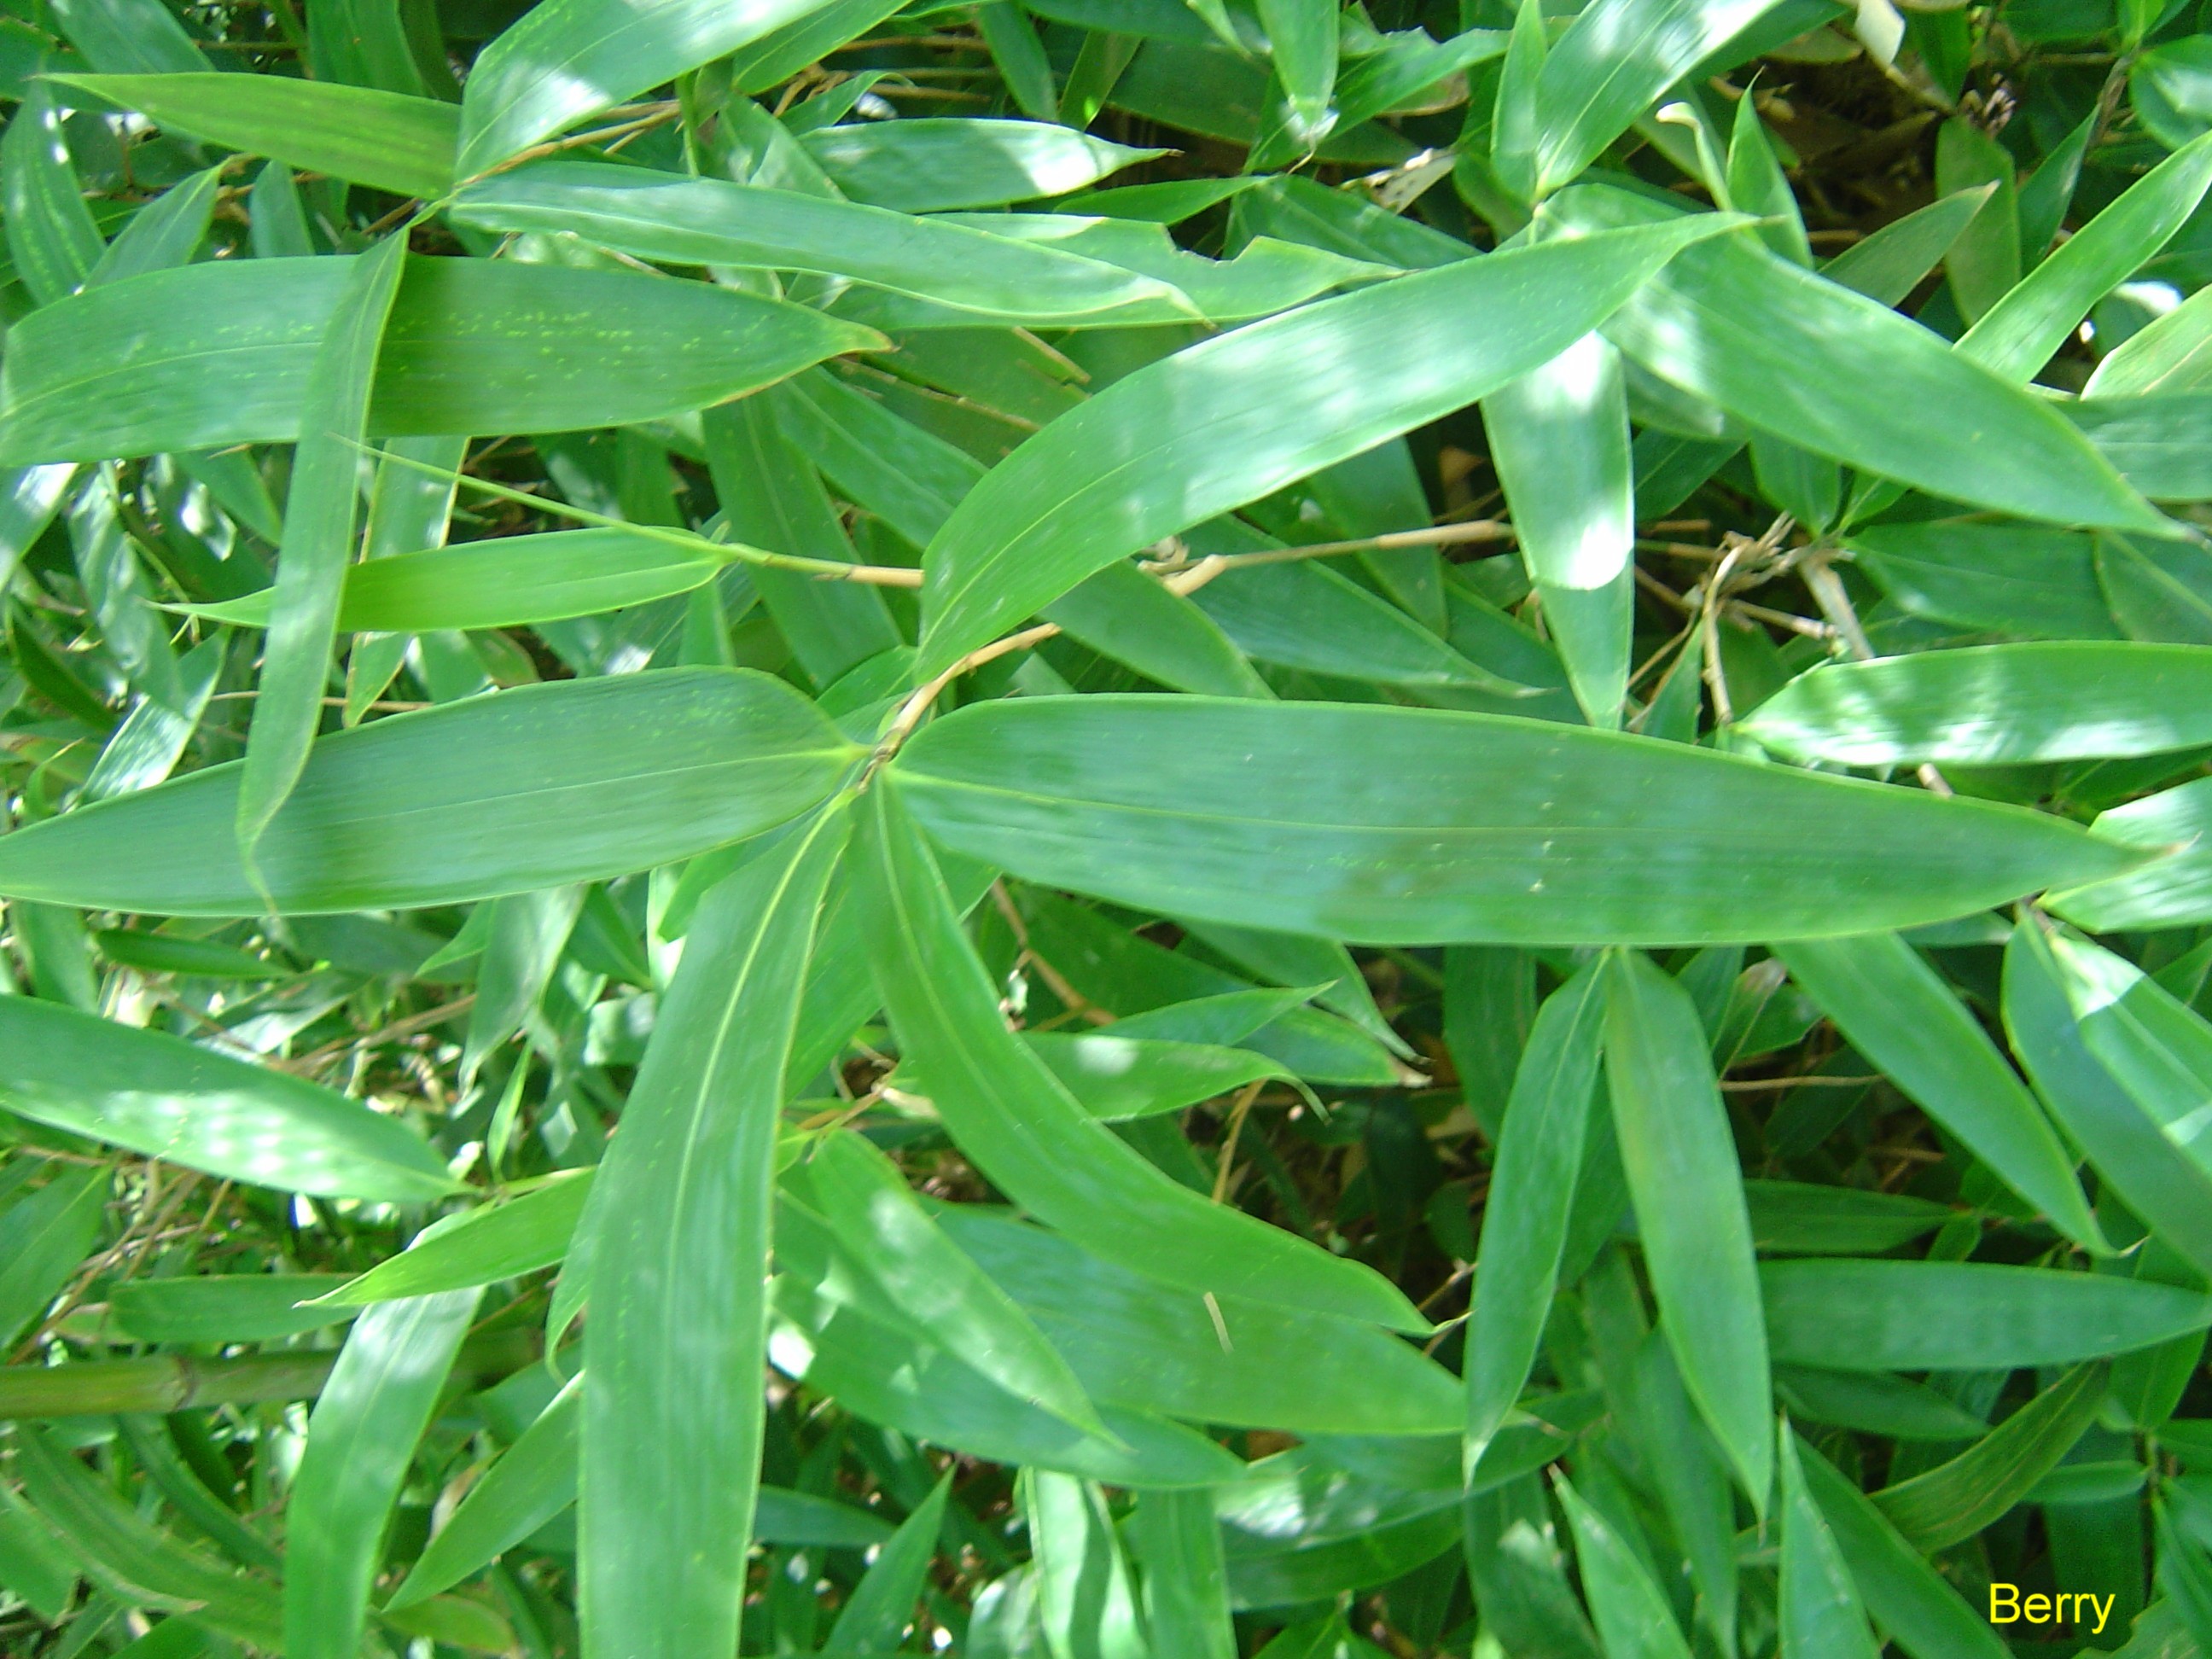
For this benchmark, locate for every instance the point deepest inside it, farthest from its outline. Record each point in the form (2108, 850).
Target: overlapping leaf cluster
(1105, 828)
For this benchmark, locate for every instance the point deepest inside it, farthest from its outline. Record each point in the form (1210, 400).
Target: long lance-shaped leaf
(1909, 1598)
(1229, 421)
(1835, 373)
(163, 1097)
(1559, 437)
(45, 1235)
(382, 139)
(360, 1439)
(1820, 1611)
(875, 1619)
(1613, 63)
(1953, 1501)
(50, 233)
(1995, 705)
(130, 1558)
(1024, 1130)
(570, 58)
(1632, 1617)
(863, 1202)
(212, 355)
(1411, 826)
(321, 515)
(533, 1480)
(1687, 1189)
(1532, 1186)
(2155, 1178)
(1897, 1012)
(574, 781)
(1895, 1316)
(2017, 335)
(686, 220)
(672, 1404)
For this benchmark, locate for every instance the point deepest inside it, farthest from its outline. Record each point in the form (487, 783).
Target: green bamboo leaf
(36, 1567)
(877, 1618)
(2174, 891)
(1302, 42)
(2016, 335)
(1274, 411)
(2157, 442)
(1895, 1009)
(1820, 1611)
(1955, 1500)
(1791, 1217)
(1633, 1620)
(1298, 1529)
(360, 1439)
(1020, 57)
(380, 139)
(1295, 959)
(1177, 1546)
(2014, 579)
(1613, 64)
(367, 43)
(572, 58)
(1789, 351)
(1875, 1402)
(680, 1234)
(1300, 817)
(1681, 1159)
(477, 1247)
(529, 934)
(128, 35)
(1532, 1186)
(2155, 1178)
(1119, 612)
(1559, 437)
(930, 165)
(1045, 1152)
(1888, 265)
(219, 353)
(50, 233)
(1137, 1344)
(856, 1194)
(511, 581)
(1303, 615)
(2152, 1044)
(535, 787)
(771, 495)
(134, 1560)
(693, 220)
(166, 232)
(532, 1481)
(888, 1375)
(2166, 354)
(226, 1308)
(1956, 1316)
(1994, 705)
(163, 1097)
(1907, 1597)
(1086, 1595)
(321, 513)
(44, 1236)
(1267, 275)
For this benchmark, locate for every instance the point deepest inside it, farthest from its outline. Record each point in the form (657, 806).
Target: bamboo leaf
(1101, 482)
(1686, 1185)
(1297, 818)
(1048, 1155)
(535, 787)
(680, 1225)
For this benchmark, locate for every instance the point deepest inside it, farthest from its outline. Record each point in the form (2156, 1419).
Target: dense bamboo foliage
(1105, 828)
